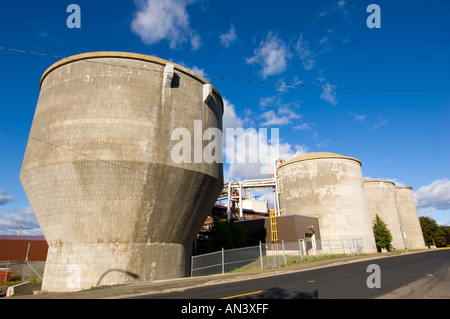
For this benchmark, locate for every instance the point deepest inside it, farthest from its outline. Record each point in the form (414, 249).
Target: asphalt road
(346, 281)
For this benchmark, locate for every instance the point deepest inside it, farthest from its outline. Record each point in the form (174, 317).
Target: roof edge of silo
(126, 55)
(403, 187)
(368, 180)
(318, 155)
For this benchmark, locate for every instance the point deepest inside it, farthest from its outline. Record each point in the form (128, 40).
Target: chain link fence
(271, 255)
(22, 271)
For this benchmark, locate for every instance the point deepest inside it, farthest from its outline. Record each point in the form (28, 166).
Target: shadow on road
(279, 293)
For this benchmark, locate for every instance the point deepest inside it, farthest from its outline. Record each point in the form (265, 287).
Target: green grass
(290, 260)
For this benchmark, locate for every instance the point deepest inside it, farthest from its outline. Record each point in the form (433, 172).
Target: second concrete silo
(382, 202)
(100, 174)
(330, 187)
(409, 218)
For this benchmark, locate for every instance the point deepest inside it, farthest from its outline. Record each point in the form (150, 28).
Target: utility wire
(327, 86)
(70, 150)
(75, 59)
(243, 80)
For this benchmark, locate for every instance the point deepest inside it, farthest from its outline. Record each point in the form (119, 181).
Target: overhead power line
(336, 87)
(70, 150)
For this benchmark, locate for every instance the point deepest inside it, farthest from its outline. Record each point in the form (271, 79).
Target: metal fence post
(260, 255)
(314, 246)
(301, 248)
(6, 270)
(223, 262)
(274, 261)
(284, 252)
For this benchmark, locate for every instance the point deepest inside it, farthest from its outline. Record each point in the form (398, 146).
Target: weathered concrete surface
(409, 218)
(330, 187)
(113, 205)
(382, 202)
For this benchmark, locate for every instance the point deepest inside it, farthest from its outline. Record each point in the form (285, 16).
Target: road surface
(346, 281)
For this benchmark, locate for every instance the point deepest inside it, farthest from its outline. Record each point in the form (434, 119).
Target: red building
(15, 248)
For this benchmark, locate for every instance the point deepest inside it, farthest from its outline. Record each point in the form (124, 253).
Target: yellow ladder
(273, 227)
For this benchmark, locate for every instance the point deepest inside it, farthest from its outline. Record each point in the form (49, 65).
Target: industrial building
(100, 183)
(409, 221)
(330, 187)
(21, 248)
(101, 196)
(382, 202)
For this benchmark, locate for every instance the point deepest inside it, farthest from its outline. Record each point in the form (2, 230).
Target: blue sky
(398, 135)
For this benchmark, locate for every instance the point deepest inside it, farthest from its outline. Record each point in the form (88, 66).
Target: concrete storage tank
(382, 202)
(112, 203)
(330, 187)
(409, 218)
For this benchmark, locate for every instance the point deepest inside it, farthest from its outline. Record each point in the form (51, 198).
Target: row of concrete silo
(111, 201)
(331, 187)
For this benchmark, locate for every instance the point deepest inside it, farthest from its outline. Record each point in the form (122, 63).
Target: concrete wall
(330, 187)
(382, 202)
(112, 204)
(409, 218)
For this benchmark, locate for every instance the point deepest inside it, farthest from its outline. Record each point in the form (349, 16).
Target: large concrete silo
(99, 170)
(382, 202)
(330, 187)
(409, 218)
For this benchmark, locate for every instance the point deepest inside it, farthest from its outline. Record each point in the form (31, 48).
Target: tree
(383, 237)
(223, 234)
(431, 231)
(446, 230)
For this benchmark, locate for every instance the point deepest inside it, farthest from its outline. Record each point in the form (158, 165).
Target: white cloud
(323, 40)
(288, 112)
(5, 198)
(230, 119)
(194, 69)
(284, 116)
(357, 117)
(11, 222)
(338, 7)
(302, 127)
(237, 165)
(324, 143)
(381, 122)
(272, 55)
(246, 170)
(273, 119)
(305, 54)
(158, 20)
(283, 87)
(268, 101)
(227, 38)
(436, 194)
(328, 92)
(199, 71)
